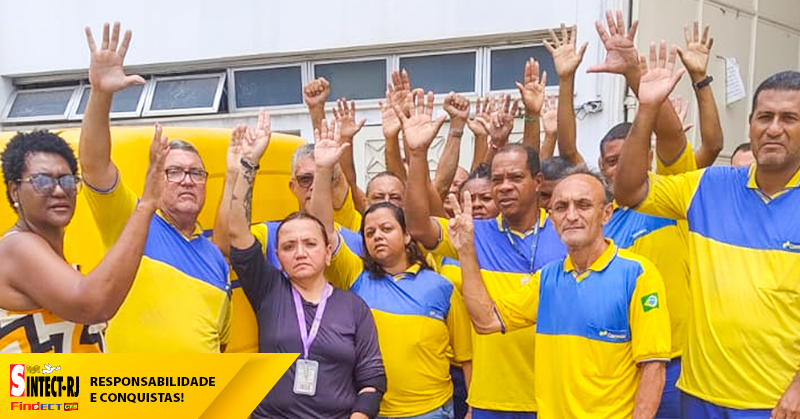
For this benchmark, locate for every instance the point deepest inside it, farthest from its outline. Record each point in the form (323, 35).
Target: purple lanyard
(305, 336)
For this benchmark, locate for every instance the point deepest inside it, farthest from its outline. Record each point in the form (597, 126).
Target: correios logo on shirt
(650, 302)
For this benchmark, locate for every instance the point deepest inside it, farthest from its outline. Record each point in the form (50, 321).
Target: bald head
(580, 206)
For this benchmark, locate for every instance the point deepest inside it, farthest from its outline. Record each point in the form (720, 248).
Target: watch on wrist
(703, 83)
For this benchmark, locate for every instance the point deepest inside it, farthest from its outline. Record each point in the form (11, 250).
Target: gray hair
(301, 152)
(583, 170)
(182, 145)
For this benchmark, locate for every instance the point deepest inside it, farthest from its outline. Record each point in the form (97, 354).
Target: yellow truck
(272, 199)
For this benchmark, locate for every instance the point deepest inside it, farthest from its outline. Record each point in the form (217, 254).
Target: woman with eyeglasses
(421, 319)
(45, 304)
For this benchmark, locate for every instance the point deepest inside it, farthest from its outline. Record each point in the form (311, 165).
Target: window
(40, 104)
(126, 103)
(185, 95)
(442, 73)
(508, 66)
(268, 87)
(354, 79)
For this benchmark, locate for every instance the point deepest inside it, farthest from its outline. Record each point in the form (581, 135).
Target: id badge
(305, 377)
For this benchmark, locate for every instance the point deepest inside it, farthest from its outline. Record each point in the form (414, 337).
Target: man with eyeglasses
(180, 299)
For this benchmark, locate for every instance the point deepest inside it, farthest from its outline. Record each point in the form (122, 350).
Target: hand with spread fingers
(328, 147)
(566, 56)
(419, 128)
(621, 55)
(681, 106)
(345, 116)
(501, 124)
(483, 111)
(105, 69)
(550, 116)
(695, 55)
(658, 78)
(531, 90)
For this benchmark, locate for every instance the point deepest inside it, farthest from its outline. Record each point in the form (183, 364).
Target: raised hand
(105, 69)
(328, 147)
(550, 116)
(156, 178)
(482, 112)
(234, 154)
(316, 92)
(621, 55)
(345, 117)
(502, 122)
(532, 89)
(681, 106)
(419, 129)
(389, 121)
(400, 90)
(257, 140)
(460, 228)
(695, 56)
(565, 56)
(457, 107)
(658, 79)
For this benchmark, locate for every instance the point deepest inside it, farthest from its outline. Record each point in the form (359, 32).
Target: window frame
(487, 68)
(153, 83)
(478, 66)
(388, 59)
(304, 79)
(75, 116)
(23, 119)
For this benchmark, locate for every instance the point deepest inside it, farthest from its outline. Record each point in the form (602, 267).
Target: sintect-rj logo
(31, 385)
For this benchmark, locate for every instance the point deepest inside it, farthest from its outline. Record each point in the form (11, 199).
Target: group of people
(529, 286)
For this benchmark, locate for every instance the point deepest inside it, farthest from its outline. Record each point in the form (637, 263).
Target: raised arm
(479, 304)
(483, 111)
(34, 270)
(253, 146)
(531, 90)
(315, 94)
(399, 91)
(658, 80)
(550, 122)
(566, 59)
(648, 394)
(419, 130)
(106, 77)
(221, 237)
(457, 107)
(328, 149)
(345, 116)
(695, 59)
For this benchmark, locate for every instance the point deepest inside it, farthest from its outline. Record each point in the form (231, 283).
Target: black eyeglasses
(305, 181)
(45, 184)
(176, 174)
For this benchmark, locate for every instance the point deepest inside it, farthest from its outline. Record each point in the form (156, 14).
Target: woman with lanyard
(339, 373)
(420, 316)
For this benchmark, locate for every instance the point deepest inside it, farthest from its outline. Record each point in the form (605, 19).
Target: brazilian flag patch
(650, 302)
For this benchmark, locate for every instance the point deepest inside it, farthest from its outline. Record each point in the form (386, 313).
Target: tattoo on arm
(250, 177)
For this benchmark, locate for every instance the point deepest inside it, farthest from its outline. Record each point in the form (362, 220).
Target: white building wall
(45, 40)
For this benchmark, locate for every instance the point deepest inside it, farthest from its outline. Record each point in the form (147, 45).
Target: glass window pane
(40, 103)
(354, 80)
(442, 73)
(124, 101)
(268, 87)
(185, 93)
(508, 66)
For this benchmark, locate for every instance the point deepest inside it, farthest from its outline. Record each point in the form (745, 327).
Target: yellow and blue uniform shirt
(180, 298)
(503, 365)
(422, 323)
(743, 348)
(592, 331)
